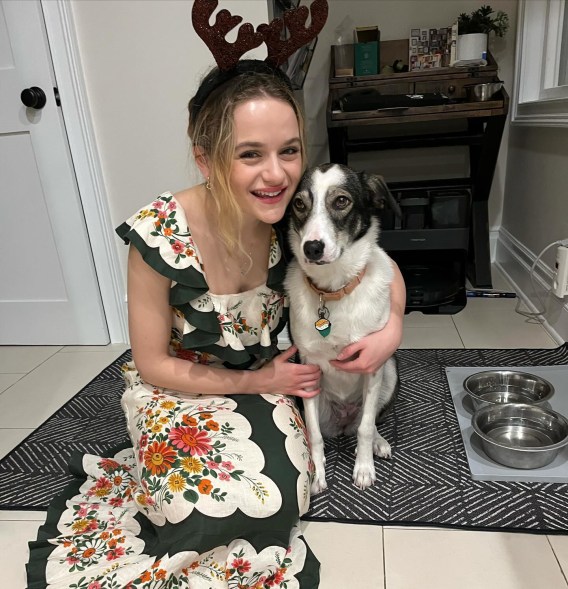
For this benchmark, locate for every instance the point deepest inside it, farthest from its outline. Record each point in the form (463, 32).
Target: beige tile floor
(352, 556)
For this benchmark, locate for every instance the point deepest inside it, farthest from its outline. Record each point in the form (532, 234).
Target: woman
(211, 493)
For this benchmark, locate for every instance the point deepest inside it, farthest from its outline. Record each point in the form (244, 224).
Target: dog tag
(323, 326)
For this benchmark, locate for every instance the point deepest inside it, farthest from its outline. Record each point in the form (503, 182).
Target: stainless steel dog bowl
(519, 435)
(482, 92)
(493, 387)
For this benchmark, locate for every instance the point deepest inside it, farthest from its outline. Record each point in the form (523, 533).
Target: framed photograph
(414, 42)
(415, 32)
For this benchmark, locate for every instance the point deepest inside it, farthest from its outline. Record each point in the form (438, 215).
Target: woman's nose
(273, 171)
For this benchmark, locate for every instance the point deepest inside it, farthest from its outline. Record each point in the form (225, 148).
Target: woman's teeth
(261, 194)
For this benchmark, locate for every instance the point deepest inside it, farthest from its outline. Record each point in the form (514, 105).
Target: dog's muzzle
(313, 250)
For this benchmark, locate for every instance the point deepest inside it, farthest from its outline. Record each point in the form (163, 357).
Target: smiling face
(267, 163)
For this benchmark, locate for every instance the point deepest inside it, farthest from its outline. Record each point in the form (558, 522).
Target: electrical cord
(538, 315)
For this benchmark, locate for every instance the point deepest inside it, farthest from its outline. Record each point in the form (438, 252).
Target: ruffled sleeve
(160, 232)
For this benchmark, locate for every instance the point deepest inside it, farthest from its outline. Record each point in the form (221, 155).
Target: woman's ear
(202, 161)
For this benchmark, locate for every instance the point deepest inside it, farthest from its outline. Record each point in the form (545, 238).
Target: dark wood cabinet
(481, 132)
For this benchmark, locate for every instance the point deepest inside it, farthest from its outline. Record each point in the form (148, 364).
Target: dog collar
(337, 295)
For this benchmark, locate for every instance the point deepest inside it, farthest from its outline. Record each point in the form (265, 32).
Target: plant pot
(472, 46)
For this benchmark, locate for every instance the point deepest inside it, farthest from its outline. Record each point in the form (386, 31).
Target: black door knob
(33, 97)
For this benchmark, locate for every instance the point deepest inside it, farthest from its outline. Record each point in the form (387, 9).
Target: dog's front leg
(311, 412)
(369, 441)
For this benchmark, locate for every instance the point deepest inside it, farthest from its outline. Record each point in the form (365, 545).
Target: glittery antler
(295, 21)
(226, 54)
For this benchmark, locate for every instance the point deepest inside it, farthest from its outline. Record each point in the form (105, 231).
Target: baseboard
(493, 239)
(515, 260)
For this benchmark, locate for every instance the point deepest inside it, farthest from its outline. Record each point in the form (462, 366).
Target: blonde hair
(212, 132)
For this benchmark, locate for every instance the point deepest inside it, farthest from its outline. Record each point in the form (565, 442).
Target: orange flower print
(190, 439)
(168, 231)
(108, 464)
(159, 458)
(205, 487)
(205, 416)
(242, 566)
(146, 576)
(188, 420)
(276, 579)
(212, 425)
(103, 487)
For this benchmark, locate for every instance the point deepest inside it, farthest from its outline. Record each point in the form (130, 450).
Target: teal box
(367, 49)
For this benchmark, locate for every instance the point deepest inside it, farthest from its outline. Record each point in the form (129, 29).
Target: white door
(49, 292)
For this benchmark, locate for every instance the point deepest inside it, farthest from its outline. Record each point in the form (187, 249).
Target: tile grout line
(557, 561)
(22, 375)
(36, 366)
(459, 334)
(384, 558)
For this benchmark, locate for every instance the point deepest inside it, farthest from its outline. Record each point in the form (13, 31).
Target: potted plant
(474, 28)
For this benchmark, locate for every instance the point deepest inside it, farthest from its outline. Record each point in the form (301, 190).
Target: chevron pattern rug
(427, 482)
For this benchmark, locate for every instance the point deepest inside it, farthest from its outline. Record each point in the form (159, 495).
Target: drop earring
(208, 184)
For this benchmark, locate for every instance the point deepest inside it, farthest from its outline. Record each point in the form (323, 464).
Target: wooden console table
(482, 134)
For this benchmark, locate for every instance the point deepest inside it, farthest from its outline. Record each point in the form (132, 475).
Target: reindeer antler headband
(228, 54)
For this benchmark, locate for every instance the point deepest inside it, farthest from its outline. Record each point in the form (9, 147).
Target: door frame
(66, 59)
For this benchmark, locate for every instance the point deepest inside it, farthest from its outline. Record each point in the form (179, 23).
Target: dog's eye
(341, 202)
(299, 204)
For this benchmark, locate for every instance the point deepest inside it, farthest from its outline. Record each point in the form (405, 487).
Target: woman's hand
(281, 376)
(370, 353)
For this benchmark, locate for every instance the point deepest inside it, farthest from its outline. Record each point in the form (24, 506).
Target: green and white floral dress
(210, 493)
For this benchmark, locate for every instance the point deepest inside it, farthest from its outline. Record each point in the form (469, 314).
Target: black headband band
(217, 78)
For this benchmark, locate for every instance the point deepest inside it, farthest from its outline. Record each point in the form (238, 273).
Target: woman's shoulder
(166, 211)
(161, 233)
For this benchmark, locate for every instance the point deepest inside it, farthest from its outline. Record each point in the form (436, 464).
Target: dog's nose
(314, 250)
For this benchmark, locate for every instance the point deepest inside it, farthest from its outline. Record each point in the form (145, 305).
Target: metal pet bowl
(520, 436)
(494, 387)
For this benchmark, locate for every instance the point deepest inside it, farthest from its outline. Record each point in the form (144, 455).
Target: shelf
(433, 140)
(424, 239)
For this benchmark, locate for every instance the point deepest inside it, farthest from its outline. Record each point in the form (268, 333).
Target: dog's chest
(348, 325)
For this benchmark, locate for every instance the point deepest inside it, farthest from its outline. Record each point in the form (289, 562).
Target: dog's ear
(380, 192)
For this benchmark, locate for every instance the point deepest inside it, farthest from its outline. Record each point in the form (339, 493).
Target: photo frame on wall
(429, 48)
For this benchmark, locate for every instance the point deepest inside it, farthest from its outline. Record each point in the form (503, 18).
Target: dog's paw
(319, 484)
(381, 447)
(363, 474)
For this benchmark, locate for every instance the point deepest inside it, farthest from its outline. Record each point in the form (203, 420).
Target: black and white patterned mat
(427, 482)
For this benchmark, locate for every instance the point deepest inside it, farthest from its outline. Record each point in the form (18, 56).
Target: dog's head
(334, 207)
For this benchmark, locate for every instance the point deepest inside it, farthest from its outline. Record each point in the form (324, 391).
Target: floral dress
(210, 492)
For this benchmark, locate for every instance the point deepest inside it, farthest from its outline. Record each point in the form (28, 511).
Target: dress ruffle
(161, 233)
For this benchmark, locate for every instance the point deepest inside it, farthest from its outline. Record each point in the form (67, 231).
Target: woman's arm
(371, 352)
(150, 324)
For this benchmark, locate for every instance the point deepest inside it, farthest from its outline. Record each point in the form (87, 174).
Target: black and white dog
(339, 291)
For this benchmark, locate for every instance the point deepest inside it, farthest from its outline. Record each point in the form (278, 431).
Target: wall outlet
(560, 284)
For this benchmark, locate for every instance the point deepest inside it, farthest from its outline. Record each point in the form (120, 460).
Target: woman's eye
(291, 151)
(341, 202)
(249, 155)
(299, 204)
